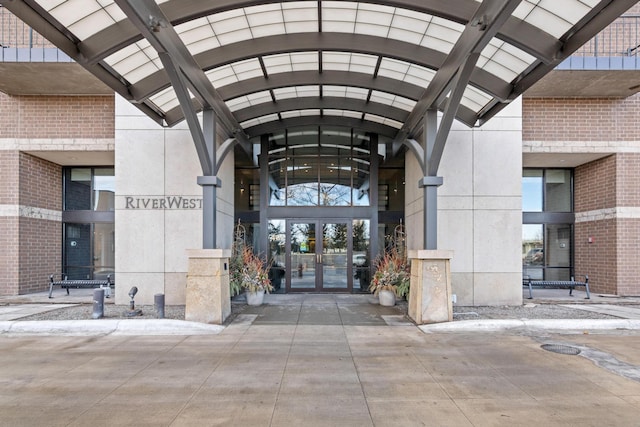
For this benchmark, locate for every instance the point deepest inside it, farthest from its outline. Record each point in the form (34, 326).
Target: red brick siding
(54, 116)
(598, 259)
(8, 177)
(9, 256)
(40, 253)
(595, 185)
(40, 183)
(581, 119)
(612, 259)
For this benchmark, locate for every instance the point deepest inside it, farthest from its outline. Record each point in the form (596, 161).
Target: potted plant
(391, 278)
(253, 276)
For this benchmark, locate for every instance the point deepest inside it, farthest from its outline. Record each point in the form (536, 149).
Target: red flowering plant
(392, 274)
(253, 275)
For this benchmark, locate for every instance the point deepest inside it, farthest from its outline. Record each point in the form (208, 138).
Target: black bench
(65, 283)
(571, 284)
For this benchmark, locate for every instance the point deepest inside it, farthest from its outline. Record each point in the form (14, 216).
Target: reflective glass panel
(103, 189)
(334, 256)
(361, 238)
(557, 190)
(303, 255)
(532, 192)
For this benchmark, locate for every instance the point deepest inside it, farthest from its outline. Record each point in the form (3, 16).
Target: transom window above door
(319, 167)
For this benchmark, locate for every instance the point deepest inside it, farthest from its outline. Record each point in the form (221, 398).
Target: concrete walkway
(314, 360)
(319, 375)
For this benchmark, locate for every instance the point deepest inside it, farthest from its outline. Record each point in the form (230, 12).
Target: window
(88, 223)
(547, 231)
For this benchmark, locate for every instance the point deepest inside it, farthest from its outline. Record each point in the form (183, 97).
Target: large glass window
(547, 231)
(89, 237)
(89, 189)
(319, 167)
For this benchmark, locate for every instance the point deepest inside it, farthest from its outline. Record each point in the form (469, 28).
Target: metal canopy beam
(155, 27)
(180, 87)
(477, 34)
(312, 102)
(363, 125)
(335, 78)
(450, 110)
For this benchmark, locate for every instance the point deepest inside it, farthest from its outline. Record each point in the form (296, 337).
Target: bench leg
(586, 287)
(50, 289)
(67, 290)
(570, 291)
(530, 290)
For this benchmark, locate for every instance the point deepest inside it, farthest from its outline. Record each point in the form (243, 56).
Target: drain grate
(561, 349)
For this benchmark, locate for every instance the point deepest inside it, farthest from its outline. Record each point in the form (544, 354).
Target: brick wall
(581, 119)
(40, 183)
(31, 248)
(9, 256)
(57, 116)
(612, 259)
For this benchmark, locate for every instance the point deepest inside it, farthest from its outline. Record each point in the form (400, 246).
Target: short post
(98, 304)
(158, 302)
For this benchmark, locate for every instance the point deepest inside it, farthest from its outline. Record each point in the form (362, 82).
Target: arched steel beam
(304, 78)
(304, 42)
(310, 102)
(278, 125)
(327, 77)
(515, 31)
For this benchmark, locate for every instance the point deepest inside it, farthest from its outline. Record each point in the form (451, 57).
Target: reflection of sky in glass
(104, 183)
(532, 194)
(531, 233)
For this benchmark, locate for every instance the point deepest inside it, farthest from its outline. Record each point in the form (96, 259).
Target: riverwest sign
(167, 202)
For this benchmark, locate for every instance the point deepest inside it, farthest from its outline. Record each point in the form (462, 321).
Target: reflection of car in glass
(359, 260)
(534, 256)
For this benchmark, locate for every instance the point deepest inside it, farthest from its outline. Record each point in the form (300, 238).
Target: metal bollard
(158, 302)
(98, 304)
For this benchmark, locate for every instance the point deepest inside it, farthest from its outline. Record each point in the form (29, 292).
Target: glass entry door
(319, 254)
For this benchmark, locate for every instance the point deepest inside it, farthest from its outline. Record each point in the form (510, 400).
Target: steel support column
(430, 184)
(209, 182)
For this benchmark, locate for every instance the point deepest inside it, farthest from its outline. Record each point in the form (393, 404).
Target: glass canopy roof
(372, 62)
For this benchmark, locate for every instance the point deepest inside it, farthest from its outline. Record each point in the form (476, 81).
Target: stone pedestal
(208, 297)
(430, 291)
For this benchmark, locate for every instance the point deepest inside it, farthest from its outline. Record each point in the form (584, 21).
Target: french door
(319, 255)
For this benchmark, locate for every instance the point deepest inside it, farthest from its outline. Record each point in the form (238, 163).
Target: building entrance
(319, 253)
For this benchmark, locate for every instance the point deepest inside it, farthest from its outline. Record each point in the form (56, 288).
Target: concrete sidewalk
(319, 309)
(320, 375)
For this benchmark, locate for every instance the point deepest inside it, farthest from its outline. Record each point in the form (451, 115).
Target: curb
(108, 327)
(548, 324)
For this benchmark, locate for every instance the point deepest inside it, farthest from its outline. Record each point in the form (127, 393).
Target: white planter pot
(387, 298)
(255, 298)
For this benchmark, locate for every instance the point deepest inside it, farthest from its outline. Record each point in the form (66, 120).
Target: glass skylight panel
(392, 100)
(345, 92)
(197, 35)
(405, 71)
(85, 18)
(300, 16)
(288, 62)
(383, 120)
(504, 60)
(342, 113)
(135, 61)
(232, 73)
(249, 100)
(167, 101)
(442, 34)
(299, 113)
(475, 99)
(554, 17)
(296, 92)
(345, 61)
(259, 120)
